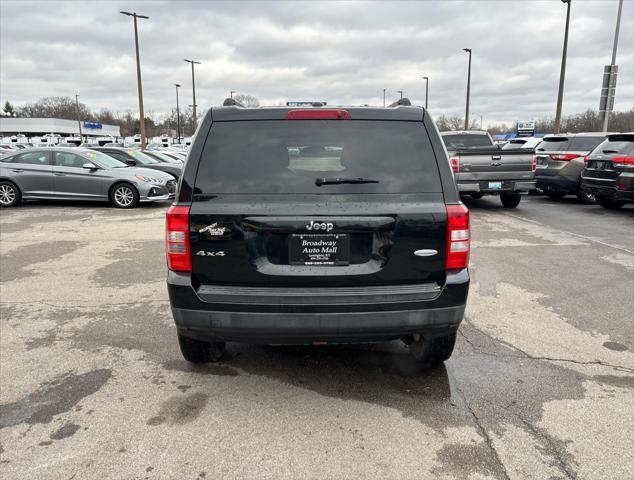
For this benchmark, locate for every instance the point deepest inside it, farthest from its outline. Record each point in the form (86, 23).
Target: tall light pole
(384, 98)
(195, 119)
(562, 73)
(426, 91)
(609, 77)
(78, 120)
(401, 92)
(138, 74)
(466, 115)
(178, 114)
(231, 92)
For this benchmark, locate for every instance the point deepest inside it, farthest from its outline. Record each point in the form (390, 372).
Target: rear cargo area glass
(287, 156)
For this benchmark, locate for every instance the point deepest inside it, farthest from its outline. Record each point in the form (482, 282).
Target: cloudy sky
(339, 52)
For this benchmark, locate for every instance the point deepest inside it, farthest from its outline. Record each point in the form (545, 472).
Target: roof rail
(401, 101)
(230, 102)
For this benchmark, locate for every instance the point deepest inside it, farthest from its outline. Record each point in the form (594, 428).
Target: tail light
(586, 159)
(623, 160)
(534, 164)
(455, 164)
(177, 239)
(566, 157)
(318, 114)
(458, 237)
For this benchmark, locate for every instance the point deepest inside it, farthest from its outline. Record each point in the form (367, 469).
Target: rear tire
(124, 195)
(555, 195)
(198, 351)
(10, 195)
(610, 203)
(433, 351)
(585, 197)
(477, 195)
(510, 200)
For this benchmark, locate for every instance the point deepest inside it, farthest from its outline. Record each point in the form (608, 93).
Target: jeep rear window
(621, 144)
(287, 156)
(584, 143)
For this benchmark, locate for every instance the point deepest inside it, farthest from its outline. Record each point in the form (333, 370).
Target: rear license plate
(321, 250)
(495, 185)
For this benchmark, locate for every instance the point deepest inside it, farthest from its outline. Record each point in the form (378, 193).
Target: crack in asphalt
(550, 446)
(484, 434)
(621, 368)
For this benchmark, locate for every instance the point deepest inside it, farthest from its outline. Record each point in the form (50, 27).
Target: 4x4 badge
(213, 230)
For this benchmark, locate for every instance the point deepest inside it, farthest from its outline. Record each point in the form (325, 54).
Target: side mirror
(90, 166)
(130, 163)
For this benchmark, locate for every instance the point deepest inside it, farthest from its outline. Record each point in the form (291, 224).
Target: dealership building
(40, 127)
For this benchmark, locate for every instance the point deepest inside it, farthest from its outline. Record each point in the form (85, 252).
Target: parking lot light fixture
(178, 114)
(193, 62)
(466, 115)
(426, 92)
(138, 74)
(562, 73)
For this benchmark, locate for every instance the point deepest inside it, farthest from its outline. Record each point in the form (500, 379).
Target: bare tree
(54, 107)
(247, 100)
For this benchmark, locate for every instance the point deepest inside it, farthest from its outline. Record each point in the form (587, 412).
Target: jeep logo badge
(320, 226)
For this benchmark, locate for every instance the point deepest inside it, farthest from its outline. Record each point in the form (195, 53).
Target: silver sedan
(79, 174)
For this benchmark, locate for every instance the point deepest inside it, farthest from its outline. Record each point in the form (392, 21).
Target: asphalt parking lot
(540, 385)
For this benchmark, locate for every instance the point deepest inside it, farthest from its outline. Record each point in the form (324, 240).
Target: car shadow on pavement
(382, 373)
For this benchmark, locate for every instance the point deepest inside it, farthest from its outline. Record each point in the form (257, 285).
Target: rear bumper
(556, 183)
(607, 188)
(276, 315)
(507, 187)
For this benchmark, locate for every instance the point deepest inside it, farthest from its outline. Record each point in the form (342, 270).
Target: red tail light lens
(458, 237)
(566, 157)
(586, 158)
(534, 164)
(623, 160)
(455, 164)
(177, 239)
(318, 114)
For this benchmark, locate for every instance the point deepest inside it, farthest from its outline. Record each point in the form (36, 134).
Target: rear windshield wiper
(607, 151)
(335, 181)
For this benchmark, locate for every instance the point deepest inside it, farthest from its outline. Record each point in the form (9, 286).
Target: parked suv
(559, 162)
(317, 225)
(609, 171)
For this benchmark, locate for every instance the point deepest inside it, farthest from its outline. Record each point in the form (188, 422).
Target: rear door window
(65, 159)
(260, 157)
(32, 158)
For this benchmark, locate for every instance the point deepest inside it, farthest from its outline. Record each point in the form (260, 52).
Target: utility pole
(195, 119)
(78, 119)
(401, 92)
(178, 114)
(466, 115)
(562, 73)
(609, 77)
(426, 91)
(138, 74)
(384, 98)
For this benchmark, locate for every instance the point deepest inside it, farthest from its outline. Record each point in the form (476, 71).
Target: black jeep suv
(317, 225)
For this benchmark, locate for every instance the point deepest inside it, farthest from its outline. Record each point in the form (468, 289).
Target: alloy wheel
(124, 196)
(7, 194)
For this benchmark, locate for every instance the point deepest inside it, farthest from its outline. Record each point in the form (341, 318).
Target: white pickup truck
(482, 168)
